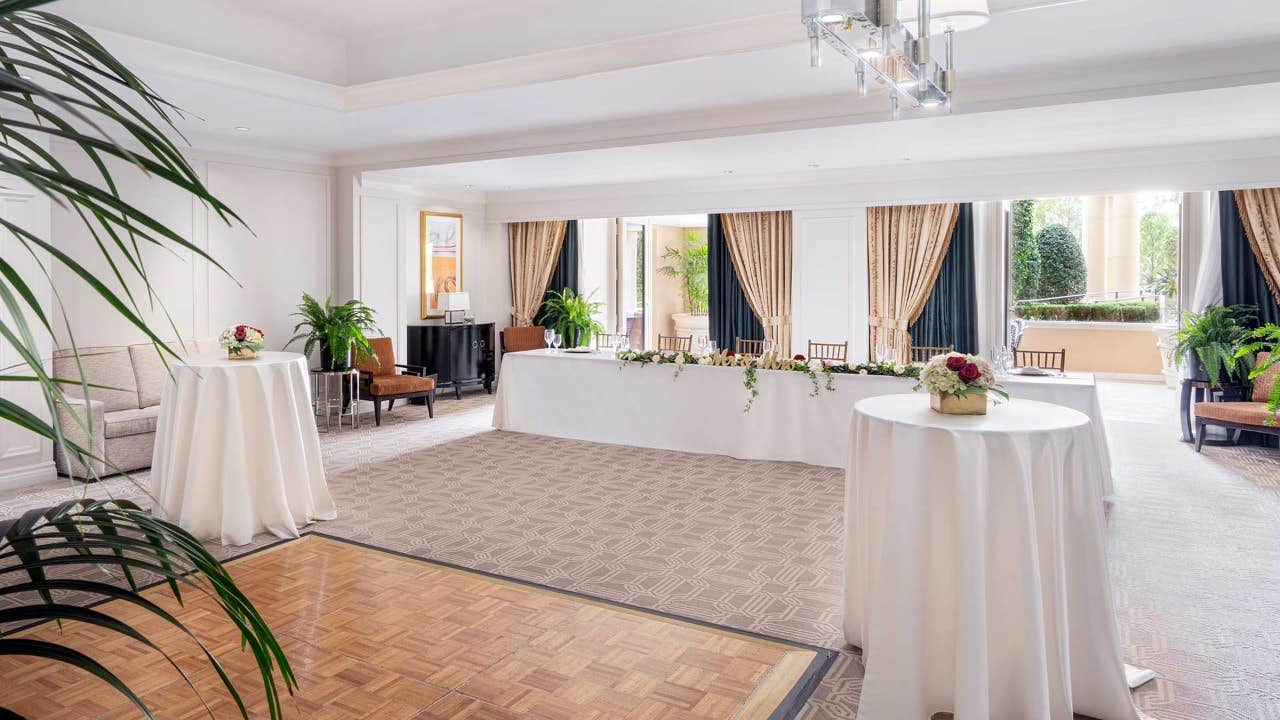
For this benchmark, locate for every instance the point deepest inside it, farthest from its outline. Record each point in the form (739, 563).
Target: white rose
(863, 371)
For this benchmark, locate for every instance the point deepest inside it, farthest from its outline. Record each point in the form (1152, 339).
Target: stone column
(1095, 231)
(1123, 273)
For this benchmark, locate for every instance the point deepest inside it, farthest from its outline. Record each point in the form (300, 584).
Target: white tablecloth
(976, 580)
(592, 397)
(237, 451)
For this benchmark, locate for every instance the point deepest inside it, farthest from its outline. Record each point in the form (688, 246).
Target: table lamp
(455, 306)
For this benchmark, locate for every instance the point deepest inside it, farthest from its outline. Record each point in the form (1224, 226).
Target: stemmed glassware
(701, 345)
(548, 335)
(556, 341)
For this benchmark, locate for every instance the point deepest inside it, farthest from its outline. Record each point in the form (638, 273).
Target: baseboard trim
(28, 475)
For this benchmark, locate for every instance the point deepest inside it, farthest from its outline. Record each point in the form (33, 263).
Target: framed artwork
(441, 259)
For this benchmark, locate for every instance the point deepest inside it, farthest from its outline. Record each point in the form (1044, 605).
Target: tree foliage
(1025, 255)
(1158, 253)
(1063, 276)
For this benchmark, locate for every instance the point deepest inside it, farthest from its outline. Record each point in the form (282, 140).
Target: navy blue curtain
(950, 314)
(566, 273)
(1242, 280)
(730, 315)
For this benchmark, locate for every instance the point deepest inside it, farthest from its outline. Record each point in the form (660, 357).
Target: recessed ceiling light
(242, 128)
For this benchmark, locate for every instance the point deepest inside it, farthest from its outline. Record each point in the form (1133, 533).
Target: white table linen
(976, 579)
(237, 452)
(593, 397)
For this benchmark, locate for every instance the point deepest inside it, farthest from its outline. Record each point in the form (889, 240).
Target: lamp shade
(454, 301)
(944, 15)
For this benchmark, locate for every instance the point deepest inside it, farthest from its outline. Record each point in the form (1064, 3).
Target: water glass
(556, 341)
(548, 335)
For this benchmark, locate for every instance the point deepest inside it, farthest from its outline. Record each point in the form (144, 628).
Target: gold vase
(241, 353)
(974, 403)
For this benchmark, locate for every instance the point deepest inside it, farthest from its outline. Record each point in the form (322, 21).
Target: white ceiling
(544, 93)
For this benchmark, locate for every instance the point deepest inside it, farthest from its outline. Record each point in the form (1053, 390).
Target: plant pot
(974, 403)
(241, 354)
(327, 360)
(1195, 367)
(692, 325)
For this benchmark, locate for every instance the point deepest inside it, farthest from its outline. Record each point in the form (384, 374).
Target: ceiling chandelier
(889, 40)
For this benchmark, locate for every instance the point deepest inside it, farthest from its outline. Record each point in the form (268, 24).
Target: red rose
(969, 372)
(798, 357)
(240, 333)
(729, 353)
(955, 362)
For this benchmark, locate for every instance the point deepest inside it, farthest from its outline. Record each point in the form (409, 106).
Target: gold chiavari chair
(839, 352)
(748, 347)
(921, 354)
(1043, 359)
(606, 341)
(682, 343)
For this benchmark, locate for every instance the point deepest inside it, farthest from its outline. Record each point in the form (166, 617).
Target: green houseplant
(689, 266)
(572, 315)
(58, 83)
(338, 330)
(1210, 341)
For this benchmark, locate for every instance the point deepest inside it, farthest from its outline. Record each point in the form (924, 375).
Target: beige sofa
(118, 421)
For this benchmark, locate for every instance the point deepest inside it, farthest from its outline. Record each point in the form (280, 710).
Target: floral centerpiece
(242, 342)
(958, 384)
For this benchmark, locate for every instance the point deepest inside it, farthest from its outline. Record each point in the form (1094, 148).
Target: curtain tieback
(888, 323)
(776, 321)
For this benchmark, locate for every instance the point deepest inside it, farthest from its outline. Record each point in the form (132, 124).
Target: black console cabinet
(461, 354)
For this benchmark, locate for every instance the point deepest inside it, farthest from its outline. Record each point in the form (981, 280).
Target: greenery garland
(750, 364)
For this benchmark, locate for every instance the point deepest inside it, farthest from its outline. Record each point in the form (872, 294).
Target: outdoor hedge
(1062, 269)
(1134, 311)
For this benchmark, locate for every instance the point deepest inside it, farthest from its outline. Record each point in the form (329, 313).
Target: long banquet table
(595, 397)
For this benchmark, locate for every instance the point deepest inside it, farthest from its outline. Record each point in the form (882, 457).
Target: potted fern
(1209, 341)
(1265, 339)
(338, 330)
(572, 315)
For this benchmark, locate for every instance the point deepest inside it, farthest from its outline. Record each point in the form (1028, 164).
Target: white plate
(1032, 371)
(578, 350)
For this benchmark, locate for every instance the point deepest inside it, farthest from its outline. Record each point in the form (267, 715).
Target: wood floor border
(785, 710)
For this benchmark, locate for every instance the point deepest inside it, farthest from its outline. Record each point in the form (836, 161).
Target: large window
(1109, 258)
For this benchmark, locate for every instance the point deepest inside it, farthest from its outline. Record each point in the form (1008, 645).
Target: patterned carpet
(1194, 539)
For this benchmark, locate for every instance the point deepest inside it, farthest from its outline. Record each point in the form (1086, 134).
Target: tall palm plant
(58, 83)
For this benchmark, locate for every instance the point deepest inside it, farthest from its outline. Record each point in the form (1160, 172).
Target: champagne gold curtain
(535, 247)
(760, 247)
(1260, 211)
(905, 248)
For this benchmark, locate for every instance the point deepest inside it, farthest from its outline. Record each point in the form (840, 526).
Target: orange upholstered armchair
(381, 379)
(1251, 414)
(516, 339)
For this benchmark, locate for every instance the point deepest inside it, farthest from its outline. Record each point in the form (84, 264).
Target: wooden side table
(1194, 391)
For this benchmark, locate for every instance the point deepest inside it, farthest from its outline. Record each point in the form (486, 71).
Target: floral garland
(751, 364)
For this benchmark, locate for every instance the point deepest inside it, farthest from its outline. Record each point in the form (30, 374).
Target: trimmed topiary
(1062, 269)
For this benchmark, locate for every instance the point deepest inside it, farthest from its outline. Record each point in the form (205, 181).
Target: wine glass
(556, 341)
(548, 335)
(702, 345)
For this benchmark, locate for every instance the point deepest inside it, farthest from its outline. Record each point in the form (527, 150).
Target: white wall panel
(172, 271)
(284, 250)
(382, 284)
(829, 279)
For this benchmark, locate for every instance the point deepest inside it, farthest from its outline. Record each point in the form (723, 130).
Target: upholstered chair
(382, 378)
(1251, 414)
(517, 339)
